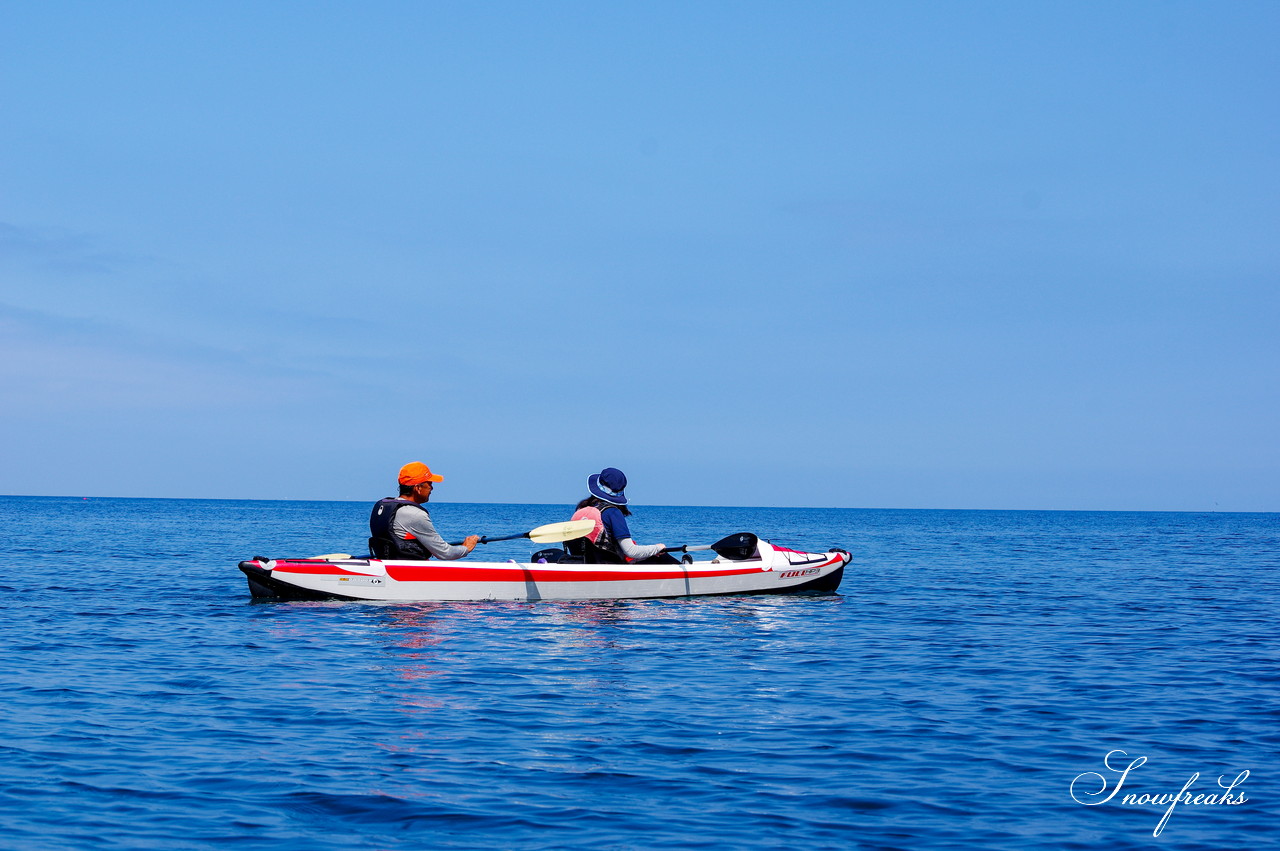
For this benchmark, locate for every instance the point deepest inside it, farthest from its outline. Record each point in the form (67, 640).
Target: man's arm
(418, 524)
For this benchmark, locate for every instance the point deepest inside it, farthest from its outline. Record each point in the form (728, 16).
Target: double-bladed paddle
(736, 547)
(552, 533)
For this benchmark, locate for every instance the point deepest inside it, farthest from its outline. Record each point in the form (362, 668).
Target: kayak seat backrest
(583, 551)
(380, 548)
(552, 555)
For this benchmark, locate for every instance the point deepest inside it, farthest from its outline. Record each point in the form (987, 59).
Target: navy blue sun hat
(608, 485)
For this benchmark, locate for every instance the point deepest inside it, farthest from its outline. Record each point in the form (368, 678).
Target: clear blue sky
(889, 254)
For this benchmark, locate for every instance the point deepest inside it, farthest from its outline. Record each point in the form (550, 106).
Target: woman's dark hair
(597, 502)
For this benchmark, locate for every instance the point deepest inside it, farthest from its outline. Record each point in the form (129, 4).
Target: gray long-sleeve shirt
(413, 521)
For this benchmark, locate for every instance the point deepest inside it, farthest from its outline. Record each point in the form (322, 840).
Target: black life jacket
(603, 550)
(383, 543)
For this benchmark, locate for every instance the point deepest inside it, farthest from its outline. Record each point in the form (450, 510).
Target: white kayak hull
(773, 570)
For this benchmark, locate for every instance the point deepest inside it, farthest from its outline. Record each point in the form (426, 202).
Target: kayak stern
(264, 586)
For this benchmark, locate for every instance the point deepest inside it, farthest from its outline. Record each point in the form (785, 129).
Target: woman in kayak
(612, 541)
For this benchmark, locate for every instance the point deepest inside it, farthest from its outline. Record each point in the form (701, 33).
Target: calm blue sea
(961, 691)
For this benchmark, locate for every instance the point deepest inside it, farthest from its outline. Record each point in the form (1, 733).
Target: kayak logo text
(1105, 792)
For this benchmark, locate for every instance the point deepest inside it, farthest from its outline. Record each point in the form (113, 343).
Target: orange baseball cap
(415, 473)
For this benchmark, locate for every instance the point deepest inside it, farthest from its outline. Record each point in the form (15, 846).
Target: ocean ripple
(972, 666)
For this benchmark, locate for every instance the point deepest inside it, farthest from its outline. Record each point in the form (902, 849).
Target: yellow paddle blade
(331, 557)
(553, 533)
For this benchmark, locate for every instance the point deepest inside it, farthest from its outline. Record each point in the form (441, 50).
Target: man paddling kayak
(401, 528)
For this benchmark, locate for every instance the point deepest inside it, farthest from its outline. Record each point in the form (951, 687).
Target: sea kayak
(769, 570)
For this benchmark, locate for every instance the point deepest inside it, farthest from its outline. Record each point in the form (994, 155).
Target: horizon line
(665, 505)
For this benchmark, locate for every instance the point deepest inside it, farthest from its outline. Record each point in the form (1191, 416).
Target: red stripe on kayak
(321, 568)
(519, 574)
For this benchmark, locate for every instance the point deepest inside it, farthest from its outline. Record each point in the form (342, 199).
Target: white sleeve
(632, 550)
(419, 525)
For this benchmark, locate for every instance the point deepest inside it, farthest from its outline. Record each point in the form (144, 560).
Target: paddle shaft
(487, 540)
